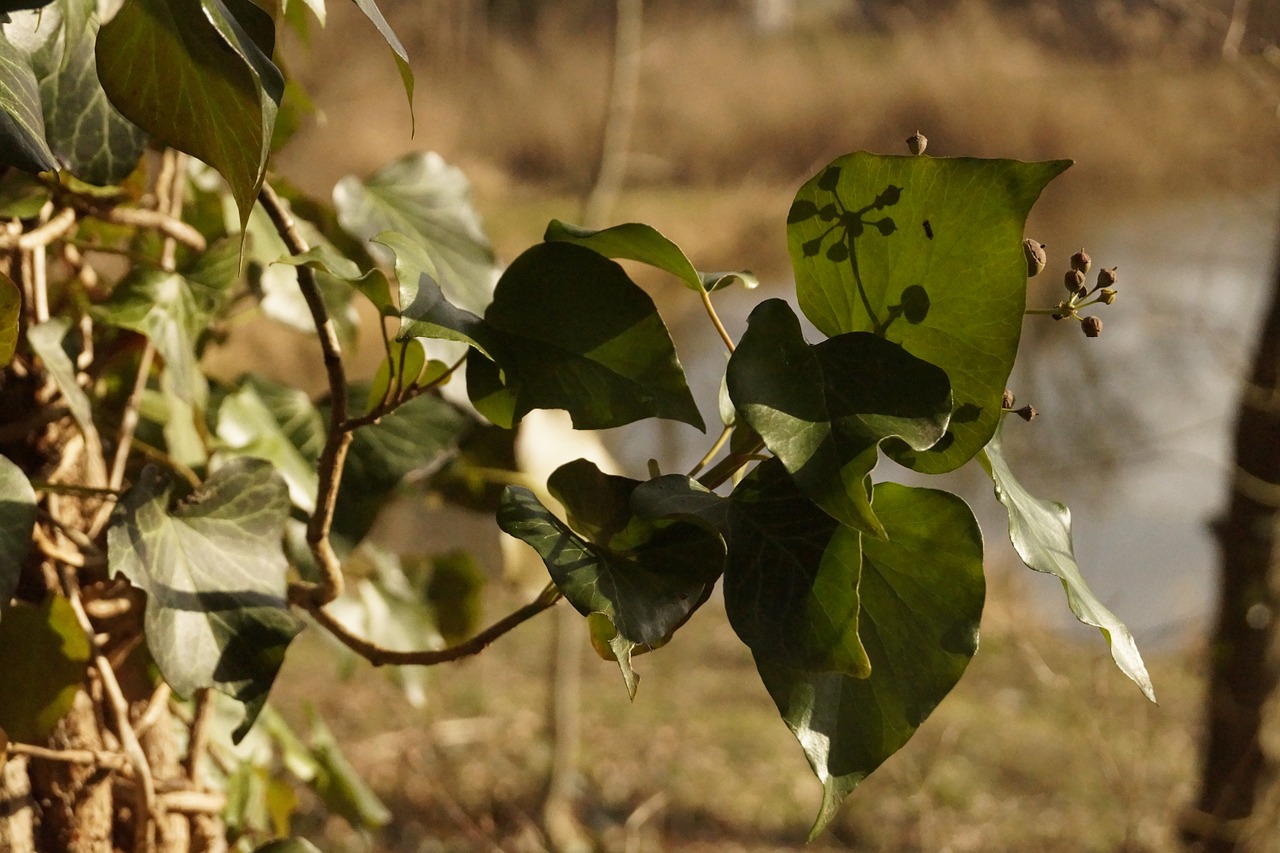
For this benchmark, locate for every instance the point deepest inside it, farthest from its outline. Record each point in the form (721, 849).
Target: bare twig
(142, 217)
(128, 424)
(199, 740)
(88, 757)
(380, 656)
(57, 226)
(333, 456)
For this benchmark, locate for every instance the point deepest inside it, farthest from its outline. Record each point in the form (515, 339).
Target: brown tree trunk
(75, 802)
(1243, 672)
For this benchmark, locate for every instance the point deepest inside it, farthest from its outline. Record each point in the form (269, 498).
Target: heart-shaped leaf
(214, 574)
(219, 62)
(570, 330)
(791, 577)
(22, 131)
(823, 410)
(926, 252)
(922, 591)
(1041, 534)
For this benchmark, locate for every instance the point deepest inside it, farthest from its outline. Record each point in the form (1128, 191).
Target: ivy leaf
(791, 577)
(17, 519)
(326, 259)
(46, 341)
(218, 61)
(429, 202)
(951, 293)
(1041, 534)
(22, 131)
(339, 785)
(638, 242)
(425, 312)
(644, 575)
(276, 423)
(43, 655)
(571, 331)
(88, 135)
(823, 410)
(922, 592)
(374, 14)
(10, 313)
(214, 574)
(172, 313)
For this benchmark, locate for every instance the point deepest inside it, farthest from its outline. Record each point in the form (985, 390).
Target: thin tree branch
(142, 217)
(88, 757)
(380, 656)
(45, 234)
(334, 454)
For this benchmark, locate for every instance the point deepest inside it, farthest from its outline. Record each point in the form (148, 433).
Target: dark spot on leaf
(887, 226)
(828, 212)
(967, 413)
(915, 304)
(948, 439)
(888, 198)
(801, 210)
(812, 247)
(829, 179)
(838, 252)
(928, 229)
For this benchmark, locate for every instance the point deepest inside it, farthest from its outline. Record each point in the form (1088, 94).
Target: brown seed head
(1074, 280)
(1036, 258)
(1006, 402)
(916, 143)
(1027, 413)
(1107, 277)
(1092, 326)
(1081, 261)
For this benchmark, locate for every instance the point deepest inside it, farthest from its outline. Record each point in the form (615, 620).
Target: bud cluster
(1079, 293)
(1026, 412)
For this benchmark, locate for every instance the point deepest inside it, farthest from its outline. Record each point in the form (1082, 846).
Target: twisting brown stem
(380, 656)
(334, 455)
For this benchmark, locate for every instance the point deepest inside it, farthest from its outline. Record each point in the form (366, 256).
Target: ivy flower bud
(1092, 326)
(1006, 402)
(1106, 296)
(916, 143)
(1081, 261)
(1027, 413)
(1036, 258)
(1074, 280)
(1107, 277)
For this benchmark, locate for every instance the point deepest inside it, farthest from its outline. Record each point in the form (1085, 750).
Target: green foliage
(240, 500)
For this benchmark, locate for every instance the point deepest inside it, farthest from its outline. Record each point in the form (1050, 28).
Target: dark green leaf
(1041, 534)
(823, 410)
(571, 331)
(10, 313)
(22, 131)
(214, 574)
(922, 591)
(86, 133)
(791, 577)
(429, 202)
(870, 266)
(419, 435)
(154, 48)
(43, 653)
(371, 11)
(17, 519)
(644, 575)
(454, 592)
(638, 242)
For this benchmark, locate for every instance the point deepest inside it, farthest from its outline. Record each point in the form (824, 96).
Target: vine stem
(333, 456)
(381, 656)
(715, 318)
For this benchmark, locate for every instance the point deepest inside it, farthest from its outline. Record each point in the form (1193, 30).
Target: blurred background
(1171, 110)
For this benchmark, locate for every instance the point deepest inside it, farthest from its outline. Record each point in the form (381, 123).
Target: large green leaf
(429, 202)
(214, 574)
(88, 135)
(22, 131)
(926, 252)
(570, 330)
(43, 653)
(17, 519)
(824, 409)
(172, 312)
(638, 242)
(10, 314)
(198, 78)
(645, 575)
(325, 258)
(791, 577)
(425, 312)
(1041, 534)
(922, 591)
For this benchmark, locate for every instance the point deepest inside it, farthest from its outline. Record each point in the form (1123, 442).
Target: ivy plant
(169, 531)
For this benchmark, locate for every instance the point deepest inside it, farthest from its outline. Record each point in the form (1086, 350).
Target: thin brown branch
(57, 226)
(380, 656)
(199, 740)
(334, 454)
(141, 217)
(88, 757)
(124, 443)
